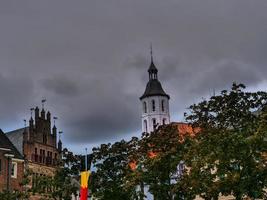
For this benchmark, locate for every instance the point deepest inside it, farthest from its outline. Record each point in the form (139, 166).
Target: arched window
(145, 126)
(153, 105)
(144, 107)
(163, 105)
(154, 122)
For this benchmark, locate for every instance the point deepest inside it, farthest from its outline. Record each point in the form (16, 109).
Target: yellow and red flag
(84, 185)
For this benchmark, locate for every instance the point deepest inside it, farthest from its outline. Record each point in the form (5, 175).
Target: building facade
(11, 165)
(38, 144)
(155, 102)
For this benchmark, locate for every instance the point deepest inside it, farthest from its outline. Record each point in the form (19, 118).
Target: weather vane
(55, 118)
(43, 101)
(60, 132)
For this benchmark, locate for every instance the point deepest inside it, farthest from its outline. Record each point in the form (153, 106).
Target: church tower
(155, 102)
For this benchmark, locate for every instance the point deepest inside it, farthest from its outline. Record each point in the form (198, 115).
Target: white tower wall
(152, 118)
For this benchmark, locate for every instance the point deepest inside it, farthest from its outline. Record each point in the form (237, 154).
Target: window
(42, 156)
(44, 138)
(163, 105)
(164, 121)
(144, 107)
(154, 123)
(14, 169)
(35, 155)
(145, 126)
(153, 105)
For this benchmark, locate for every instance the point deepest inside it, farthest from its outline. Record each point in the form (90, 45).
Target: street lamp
(9, 157)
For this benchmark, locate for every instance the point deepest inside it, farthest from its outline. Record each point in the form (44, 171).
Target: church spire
(155, 101)
(152, 71)
(151, 53)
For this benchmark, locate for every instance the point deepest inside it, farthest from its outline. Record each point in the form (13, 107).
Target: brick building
(38, 143)
(11, 165)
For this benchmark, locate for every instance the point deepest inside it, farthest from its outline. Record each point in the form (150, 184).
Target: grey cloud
(222, 74)
(16, 93)
(97, 53)
(61, 85)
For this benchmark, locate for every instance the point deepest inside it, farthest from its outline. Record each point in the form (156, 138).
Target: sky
(89, 59)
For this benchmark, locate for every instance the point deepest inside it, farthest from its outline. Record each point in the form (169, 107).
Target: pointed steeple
(59, 144)
(152, 70)
(153, 87)
(155, 102)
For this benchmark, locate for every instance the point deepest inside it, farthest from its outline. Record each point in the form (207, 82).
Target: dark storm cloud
(89, 59)
(219, 76)
(61, 86)
(112, 118)
(15, 92)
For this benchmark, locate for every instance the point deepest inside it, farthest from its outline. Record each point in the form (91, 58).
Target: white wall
(158, 114)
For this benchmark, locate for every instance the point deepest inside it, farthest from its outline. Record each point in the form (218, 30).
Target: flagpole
(85, 159)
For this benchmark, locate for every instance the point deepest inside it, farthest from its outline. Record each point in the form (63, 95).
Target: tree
(162, 152)
(112, 166)
(65, 183)
(160, 161)
(226, 157)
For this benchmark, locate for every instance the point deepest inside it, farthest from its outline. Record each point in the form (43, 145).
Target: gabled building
(11, 165)
(38, 144)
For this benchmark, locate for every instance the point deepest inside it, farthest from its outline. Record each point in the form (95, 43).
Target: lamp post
(9, 157)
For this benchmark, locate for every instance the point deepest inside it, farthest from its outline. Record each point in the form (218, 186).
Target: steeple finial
(151, 52)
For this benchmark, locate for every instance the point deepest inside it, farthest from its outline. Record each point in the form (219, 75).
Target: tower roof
(6, 143)
(154, 88)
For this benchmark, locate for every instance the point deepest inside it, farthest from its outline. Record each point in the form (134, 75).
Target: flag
(84, 185)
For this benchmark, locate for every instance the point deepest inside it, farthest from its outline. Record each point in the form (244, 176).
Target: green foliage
(66, 179)
(111, 163)
(6, 195)
(159, 172)
(226, 157)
